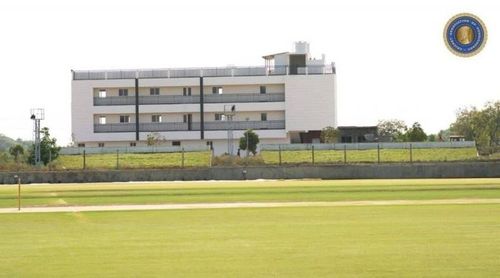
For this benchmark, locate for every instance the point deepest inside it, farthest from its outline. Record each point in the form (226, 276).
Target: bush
(227, 160)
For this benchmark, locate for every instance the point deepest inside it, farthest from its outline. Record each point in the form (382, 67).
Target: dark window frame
(123, 117)
(154, 91)
(123, 92)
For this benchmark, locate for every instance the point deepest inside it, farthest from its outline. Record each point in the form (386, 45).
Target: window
(81, 145)
(219, 117)
(263, 116)
(156, 118)
(122, 92)
(262, 89)
(102, 93)
(154, 91)
(186, 91)
(217, 90)
(101, 145)
(176, 143)
(133, 144)
(124, 119)
(184, 118)
(102, 120)
(346, 139)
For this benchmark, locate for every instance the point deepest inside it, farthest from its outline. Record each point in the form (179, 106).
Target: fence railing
(144, 149)
(368, 146)
(368, 152)
(201, 72)
(209, 98)
(194, 126)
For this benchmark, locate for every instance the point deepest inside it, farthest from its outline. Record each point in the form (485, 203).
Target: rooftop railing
(209, 98)
(195, 126)
(201, 72)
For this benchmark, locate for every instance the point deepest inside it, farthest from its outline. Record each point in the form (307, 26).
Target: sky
(390, 55)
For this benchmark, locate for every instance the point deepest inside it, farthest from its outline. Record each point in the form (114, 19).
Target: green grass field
(248, 191)
(202, 159)
(368, 241)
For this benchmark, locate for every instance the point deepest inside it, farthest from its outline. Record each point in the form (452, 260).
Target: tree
(48, 148)
(482, 126)
(415, 133)
(154, 139)
(253, 140)
(329, 134)
(16, 151)
(395, 129)
(432, 137)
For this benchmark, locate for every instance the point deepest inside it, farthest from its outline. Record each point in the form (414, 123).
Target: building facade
(292, 96)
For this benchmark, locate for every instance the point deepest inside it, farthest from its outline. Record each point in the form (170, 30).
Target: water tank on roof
(301, 47)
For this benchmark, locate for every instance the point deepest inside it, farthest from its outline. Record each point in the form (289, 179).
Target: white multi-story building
(289, 100)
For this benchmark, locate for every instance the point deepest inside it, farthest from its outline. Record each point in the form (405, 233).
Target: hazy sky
(390, 56)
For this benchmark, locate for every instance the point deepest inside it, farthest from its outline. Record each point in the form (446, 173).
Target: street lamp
(247, 135)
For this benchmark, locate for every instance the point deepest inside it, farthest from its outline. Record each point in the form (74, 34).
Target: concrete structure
(292, 95)
(476, 169)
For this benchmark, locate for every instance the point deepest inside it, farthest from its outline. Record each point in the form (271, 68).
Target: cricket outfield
(403, 228)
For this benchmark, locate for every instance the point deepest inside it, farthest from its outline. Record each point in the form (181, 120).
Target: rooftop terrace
(201, 72)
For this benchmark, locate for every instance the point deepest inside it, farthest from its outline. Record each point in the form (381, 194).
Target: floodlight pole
(37, 114)
(37, 141)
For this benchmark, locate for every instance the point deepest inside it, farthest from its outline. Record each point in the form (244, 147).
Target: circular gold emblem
(465, 35)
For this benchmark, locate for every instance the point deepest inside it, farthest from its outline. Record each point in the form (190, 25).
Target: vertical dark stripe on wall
(137, 109)
(202, 118)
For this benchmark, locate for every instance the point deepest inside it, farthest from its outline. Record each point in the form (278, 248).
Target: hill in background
(7, 142)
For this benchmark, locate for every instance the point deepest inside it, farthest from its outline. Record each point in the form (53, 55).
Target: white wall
(310, 102)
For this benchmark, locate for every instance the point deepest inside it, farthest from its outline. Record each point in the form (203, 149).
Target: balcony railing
(121, 127)
(104, 101)
(195, 126)
(209, 98)
(224, 98)
(201, 72)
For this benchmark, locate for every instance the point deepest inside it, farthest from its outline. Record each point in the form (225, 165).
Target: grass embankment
(132, 160)
(355, 156)
(389, 241)
(202, 159)
(248, 191)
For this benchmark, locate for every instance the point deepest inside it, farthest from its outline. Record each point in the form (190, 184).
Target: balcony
(106, 101)
(209, 98)
(195, 126)
(200, 72)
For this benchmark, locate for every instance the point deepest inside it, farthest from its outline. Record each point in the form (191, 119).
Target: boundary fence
(368, 146)
(361, 152)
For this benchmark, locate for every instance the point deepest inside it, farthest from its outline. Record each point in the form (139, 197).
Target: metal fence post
(345, 153)
(312, 151)
(378, 153)
(84, 160)
(411, 153)
(279, 154)
(182, 158)
(117, 160)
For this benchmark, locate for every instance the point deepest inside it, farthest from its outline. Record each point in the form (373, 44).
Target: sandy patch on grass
(248, 205)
